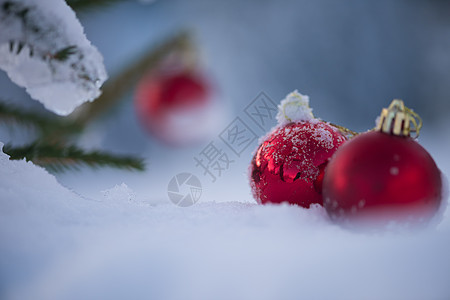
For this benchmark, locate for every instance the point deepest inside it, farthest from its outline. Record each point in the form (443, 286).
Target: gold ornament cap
(397, 120)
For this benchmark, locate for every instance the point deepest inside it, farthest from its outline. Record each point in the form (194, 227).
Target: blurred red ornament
(383, 175)
(174, 105)
(289, 164)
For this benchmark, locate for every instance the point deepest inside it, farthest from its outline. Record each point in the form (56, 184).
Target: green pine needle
(46, 125)
(58, 158)
(63, 54)
(79, 5)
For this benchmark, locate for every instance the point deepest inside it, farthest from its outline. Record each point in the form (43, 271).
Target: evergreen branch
(47, 125)
(65, 53)
(79, 5)
(58, 158)
(115, 88)
(16, 47)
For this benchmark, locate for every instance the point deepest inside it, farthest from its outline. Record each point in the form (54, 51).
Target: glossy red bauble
(174, 106)
(381, 177)
(288, 166)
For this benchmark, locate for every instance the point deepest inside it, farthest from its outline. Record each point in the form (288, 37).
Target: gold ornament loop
(348, 132)
(416, 120)
(397, 119)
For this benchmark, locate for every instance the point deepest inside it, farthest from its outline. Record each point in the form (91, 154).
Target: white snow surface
(119, 193)
(294, 108)
(32, 33)
(56, 244)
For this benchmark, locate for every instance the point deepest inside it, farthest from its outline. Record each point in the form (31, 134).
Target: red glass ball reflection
(381, 177)
(174, 105)
(288, 166)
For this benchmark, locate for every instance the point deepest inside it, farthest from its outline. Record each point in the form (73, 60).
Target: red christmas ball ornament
(383, 176)
(175, 105)
(288, 166)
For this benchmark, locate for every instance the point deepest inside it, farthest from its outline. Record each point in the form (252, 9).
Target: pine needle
(59, 158)
(46, 125)
(65, 53)
(80, 5)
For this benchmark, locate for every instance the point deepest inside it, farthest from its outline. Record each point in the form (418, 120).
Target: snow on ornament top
(294, 108)
(43, 48)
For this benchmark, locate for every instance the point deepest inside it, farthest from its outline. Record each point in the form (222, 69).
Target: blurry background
(351, 57)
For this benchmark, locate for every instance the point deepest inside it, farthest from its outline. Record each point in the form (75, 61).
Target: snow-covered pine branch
(44, 49)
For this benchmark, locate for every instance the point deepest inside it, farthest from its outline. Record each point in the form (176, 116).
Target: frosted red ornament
(288, 166)
(383, 175)
(174, 105)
